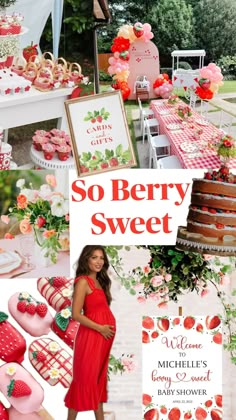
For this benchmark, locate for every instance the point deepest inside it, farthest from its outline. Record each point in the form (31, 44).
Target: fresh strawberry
(147, 399)
(148, 323)
(218, 400)
(41, 309)
(208, 176)
(208, 403)
(30, 51)
(21, 306)
(18, 388)
(224, 170)
(189, 322)
(217, 338)
(145, 337)
(163, 324)
(188, 415)
(152, 414)
(31, 308)
(219, 226)
(200, 413)
(203, 208)
(57, 281)
(199, 328)
(154, 334)
(138, 29)
(216, 414)
(174, 414)
(39, 355)
(212, 211)
(40, 222)
(212, 322)
(3, 412)
(176, 321)
(163, 409)
(9, 352)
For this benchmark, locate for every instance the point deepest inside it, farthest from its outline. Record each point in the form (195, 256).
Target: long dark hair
(82, 268)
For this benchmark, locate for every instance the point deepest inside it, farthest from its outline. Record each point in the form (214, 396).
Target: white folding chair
(226, 122)
(159, 146)
(144, 113)
(192, 99)
(152, 124)
(169, 162)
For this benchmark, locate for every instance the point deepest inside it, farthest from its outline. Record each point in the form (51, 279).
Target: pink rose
(157, 280)
(207, 257)
(9, 236)
(128, 364)
(154, 296)
(168, 277)
(25, 226)
(146, 269)
(67, 217)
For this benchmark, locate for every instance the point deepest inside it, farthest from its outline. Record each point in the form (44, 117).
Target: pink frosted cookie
(56, 290)
(12, 342)
(51, 361)
(33, 316)
(65, 327)
(16, 415)
(20, 388)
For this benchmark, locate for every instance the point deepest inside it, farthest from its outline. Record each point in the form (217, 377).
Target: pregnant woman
(90, 307)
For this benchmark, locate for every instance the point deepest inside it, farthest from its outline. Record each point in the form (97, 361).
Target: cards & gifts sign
(100, 134)
(182, 368)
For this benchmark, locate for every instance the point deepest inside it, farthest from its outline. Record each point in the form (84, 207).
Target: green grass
(129, 106)
(229, 86)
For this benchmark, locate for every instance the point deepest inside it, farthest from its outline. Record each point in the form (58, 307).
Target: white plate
(174, 126)
(164, 112)
(12, 261)
(189, 147)
(202, 122)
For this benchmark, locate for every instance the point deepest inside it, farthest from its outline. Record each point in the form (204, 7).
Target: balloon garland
(163, 86)
(118, 64)
(209, 82)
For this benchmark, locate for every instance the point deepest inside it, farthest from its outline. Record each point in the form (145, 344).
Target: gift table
(33, 106)
(54, 163)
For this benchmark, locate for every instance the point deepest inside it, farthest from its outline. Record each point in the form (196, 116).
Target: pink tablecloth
(61, 268)
(208, 159)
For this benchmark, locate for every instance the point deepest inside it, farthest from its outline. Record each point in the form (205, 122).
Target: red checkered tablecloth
(209, 158)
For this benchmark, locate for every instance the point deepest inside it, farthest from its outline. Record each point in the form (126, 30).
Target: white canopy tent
(182, 78)
(35, 15)
(187, 53)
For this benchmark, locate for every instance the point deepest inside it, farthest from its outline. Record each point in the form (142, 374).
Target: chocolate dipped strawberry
(12, 343)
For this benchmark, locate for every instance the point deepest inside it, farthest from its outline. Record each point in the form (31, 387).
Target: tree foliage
(172, 25)
(215, 27)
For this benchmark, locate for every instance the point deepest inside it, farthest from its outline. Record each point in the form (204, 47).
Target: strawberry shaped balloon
(138, 29)
(30, 52)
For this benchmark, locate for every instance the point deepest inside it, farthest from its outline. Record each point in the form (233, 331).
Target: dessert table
(62, 267)
(33, 106)
(192, 153)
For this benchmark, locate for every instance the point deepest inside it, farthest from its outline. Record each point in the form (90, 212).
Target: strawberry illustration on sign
(217, 338)
(216, 415)
(189, 322)
(218, 400)
(174, 414)
(212, 322)
(145, 337)
(147, 399)
(148, 323)
(152, 414)
(200, 413)
(163, 324)
(97, 116)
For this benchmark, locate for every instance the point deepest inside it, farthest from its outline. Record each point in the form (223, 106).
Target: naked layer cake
(211, 221)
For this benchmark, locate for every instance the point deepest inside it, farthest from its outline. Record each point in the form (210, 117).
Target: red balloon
(158, 82)
(166, 76)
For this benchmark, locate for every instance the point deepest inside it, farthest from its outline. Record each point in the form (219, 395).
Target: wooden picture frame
(100, 134)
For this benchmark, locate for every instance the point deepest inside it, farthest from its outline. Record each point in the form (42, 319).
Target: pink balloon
(218, 69)
(157, 91)
(116, 54)
(165, 95)
(147, 27)
(211, 66)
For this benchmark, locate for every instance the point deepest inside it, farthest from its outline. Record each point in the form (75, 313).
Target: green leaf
(61, 322)
(3, 317)
(119, 150)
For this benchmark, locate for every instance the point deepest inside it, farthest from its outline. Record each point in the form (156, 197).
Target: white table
(33, 106)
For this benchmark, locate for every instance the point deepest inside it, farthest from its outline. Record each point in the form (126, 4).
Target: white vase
(40, 252)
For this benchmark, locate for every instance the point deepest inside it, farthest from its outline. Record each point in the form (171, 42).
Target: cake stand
(54, 163)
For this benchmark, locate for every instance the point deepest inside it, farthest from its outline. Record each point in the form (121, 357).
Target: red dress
(91, 354)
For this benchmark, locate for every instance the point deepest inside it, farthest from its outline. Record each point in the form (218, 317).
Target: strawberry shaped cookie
(56, 290)
(65, 327)
(20, 388)
(12, 343)
(51, 361)
(33, 316)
